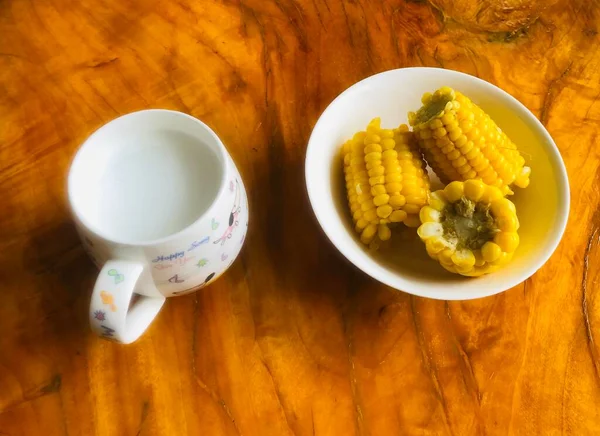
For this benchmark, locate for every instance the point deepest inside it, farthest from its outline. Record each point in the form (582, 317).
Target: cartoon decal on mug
(176, 279)
(206, 281)
(107, 332)
(118, 277)
(233, 217)
(109, 300)
(101, 318)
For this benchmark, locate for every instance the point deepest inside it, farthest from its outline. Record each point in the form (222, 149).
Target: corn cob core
(469, 228)
(385, 180)
(461, 142)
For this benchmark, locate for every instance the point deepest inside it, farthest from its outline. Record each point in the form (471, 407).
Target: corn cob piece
(415, 181)
(461, 142)
(469, 228)
(374, 170)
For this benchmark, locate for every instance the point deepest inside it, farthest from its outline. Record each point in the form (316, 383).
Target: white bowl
(543, 207)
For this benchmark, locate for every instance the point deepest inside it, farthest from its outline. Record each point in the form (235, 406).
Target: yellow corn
(413, 189)
(461, 142)
(385, 180)
(469, 228)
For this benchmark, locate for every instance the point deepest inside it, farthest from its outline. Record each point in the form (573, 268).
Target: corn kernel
(445, 256)
(491, 251)
(464, 169)
(393, 178)
(463, 258)
(377, 180)
(412, 219)
(397, 201)
(429, 230)
(491, 194)
(372, 138)
(373, 164)
(474, 189)
(453, 155)
(449, 267)
(373, 148)
(507, 241)
(378, 190)
(392, 167)
(454, 191)
(464, 269)
(374, 125)
(413, 209)
(361, 223)
(438, 200)
(503, 207)
(373, 156)
(397, 216)
(361, 198)
(417, 197)
(389, 155)
(429, 214)
(378, 171)
(384, 211)
(479, 260)
(461, 141)
(370, 215)
(459, 162)
(439, 132)
(368, 234)
(384, 233)
(367, 205)
(435, 244)
(381, 199)
(522, 180)
(393, 188)
(359, 137)
(502, 260)
(388, 144)
(508, 223)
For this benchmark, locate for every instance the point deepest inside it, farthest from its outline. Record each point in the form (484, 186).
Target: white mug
(162, 211)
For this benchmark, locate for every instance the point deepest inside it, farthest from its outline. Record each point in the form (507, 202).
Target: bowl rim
(554, 156)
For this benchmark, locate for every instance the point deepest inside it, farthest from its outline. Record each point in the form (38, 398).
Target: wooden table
(292, 340)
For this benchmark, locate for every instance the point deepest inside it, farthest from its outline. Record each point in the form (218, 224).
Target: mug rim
(145, 243)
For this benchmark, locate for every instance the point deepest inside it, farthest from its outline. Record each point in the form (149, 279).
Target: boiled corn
(413, 187)
(461, 142)
(385, 180)
(469, 228)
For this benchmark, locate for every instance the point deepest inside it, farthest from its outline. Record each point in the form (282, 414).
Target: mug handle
(110, 315)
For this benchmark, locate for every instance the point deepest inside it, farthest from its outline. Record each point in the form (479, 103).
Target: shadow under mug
(160, 208)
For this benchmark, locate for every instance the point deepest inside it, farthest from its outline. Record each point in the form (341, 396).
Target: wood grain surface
(292, 340)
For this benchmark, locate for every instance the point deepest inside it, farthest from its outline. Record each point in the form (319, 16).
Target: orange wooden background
(293, 340)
